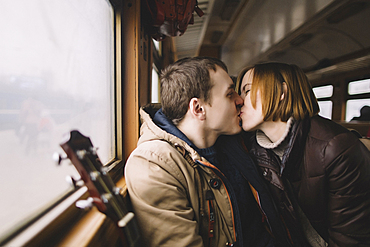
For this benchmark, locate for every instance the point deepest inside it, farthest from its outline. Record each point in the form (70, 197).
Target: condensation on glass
(56, 74)
(326, 106)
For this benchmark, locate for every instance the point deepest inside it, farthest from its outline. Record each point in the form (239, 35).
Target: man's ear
(285, 90)
(196, 108)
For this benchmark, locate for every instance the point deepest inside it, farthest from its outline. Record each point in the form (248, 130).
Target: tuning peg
(58, 158)
(94, 150)
(85, 204)
(76, 183)
(81, 154)
(104, 170)
(125, 220)
(117, 190)
(94, 175)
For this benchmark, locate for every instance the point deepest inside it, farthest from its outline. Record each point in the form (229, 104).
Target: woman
(318, 171)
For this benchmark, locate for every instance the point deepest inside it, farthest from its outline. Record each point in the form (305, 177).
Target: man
(184, 187)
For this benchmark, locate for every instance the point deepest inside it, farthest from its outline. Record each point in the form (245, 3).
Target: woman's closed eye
(244, 93)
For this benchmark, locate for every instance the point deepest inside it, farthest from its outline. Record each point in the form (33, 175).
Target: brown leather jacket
(328, 169)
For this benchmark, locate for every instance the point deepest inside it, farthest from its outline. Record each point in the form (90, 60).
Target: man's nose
(239, 101)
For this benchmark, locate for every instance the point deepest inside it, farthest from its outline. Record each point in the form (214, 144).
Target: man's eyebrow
(231, 86)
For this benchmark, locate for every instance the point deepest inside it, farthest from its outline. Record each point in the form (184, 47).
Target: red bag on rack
(168, 17)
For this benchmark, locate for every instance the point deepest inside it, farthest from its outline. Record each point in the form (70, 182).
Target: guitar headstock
(103, 192)
(84, 157)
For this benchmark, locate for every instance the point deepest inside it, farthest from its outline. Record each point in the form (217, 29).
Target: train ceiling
(320, 36)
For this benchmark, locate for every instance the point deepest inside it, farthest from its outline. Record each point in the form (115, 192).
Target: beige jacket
(169, 194)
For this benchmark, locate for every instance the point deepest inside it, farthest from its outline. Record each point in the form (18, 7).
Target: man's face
(252, 118)
(222, 113)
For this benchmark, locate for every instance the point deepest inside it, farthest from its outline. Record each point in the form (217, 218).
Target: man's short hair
(183, 80)
(299, 101)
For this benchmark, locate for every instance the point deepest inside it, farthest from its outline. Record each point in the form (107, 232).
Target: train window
(354, 106)
(323, 92)
(358, 87)
(158, 46)
(155, 85)
(326, 106)
(157, 53)
(56, 75)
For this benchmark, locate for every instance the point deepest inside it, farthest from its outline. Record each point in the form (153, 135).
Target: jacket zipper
(231, 197)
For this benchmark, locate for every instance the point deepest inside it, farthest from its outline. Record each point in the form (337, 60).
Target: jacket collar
(293, 156)
(165, 124)
(149, 130)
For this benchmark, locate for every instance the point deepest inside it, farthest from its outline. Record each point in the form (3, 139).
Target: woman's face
(252, 118)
